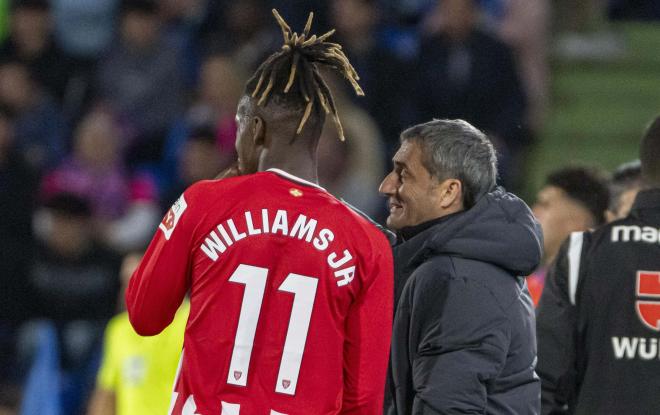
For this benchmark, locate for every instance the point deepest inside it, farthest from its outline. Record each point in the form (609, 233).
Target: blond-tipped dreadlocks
(302, 54)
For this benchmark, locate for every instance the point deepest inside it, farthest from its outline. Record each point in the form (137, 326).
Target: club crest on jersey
(648, 303)
(286, 383)
(237, 374)
(295, 192)
(172, 217)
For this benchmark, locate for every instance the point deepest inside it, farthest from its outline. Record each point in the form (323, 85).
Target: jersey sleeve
(368, 332)
(162, 279)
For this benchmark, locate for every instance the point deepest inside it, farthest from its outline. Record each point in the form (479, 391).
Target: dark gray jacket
(464, 330)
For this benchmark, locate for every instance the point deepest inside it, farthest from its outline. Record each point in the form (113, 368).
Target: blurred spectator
(352, 170)
(137, 373)
(72, 276)
(124, 205)
(625, 183)
(84, 29)
(142, 80)
(525, 28)
(183, 21)
(572, 199)
(31, 42)
(200, 159)
(465, 72)
(220, 87)
(74, 283)
(38, 124)
(382, 75)
(243, 28)
(18, 184)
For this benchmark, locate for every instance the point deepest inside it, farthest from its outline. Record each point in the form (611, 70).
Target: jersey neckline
(293, 178)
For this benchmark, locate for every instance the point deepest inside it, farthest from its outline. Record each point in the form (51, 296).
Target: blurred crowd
(109, 109)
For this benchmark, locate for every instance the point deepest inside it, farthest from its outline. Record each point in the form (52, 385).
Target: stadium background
(595, 65)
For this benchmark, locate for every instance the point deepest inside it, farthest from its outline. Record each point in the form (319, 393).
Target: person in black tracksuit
(598, 322)
(464, 331)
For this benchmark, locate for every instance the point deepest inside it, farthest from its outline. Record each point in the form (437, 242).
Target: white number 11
(304, 290)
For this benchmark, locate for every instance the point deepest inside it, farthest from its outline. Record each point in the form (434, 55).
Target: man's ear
(258, 131)
(451, 194)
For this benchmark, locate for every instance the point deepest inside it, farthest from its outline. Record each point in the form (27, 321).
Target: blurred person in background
(625, 183)
(182, 27)
(17, 200)
(243, 28)
(466, 72)
(38, 124)
(84, 30)
(352, 169)
(74, 284)
(137, 373)
(598, 319)
(142, 80)
(572, 199)
(219, 88)
(382, 73)
(31, 42)
(200, 159)
(526, 28)
(124, 205)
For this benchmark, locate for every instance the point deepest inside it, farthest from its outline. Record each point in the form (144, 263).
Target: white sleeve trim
(574, 254)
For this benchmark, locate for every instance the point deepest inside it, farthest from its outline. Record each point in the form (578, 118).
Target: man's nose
(387, 186)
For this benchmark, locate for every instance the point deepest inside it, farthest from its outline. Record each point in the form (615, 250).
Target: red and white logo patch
(172, 217)
(648, 311)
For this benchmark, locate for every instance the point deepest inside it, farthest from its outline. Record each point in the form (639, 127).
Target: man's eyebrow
(400, 164)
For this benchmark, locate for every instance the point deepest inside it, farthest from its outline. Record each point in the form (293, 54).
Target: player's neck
(302, 167)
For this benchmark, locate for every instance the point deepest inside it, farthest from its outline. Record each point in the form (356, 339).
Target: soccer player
(290, 290)
(599, 315)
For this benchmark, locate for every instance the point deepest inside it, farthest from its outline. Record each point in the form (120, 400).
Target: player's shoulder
(374, 230)
(225, 189)
(622, 230)
(213, 185)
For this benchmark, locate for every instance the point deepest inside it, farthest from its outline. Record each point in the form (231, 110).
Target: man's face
(559, 215)
(414, 195)
(246, 148)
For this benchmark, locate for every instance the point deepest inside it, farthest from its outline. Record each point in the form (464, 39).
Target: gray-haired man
(464, 335)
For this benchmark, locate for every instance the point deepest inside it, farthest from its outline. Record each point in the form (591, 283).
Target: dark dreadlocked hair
(291, 75)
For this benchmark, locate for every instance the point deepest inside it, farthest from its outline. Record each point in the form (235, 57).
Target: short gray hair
(454, 149)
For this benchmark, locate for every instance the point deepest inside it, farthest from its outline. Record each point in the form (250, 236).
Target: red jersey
(291, 299)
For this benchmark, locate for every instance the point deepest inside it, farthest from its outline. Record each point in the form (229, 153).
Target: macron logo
(172, 217)
(633, 233)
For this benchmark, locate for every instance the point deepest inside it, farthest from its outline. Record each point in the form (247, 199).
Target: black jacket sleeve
(556, 328)
(463, 338)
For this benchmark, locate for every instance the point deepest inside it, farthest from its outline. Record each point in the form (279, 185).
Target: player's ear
(258, 130)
